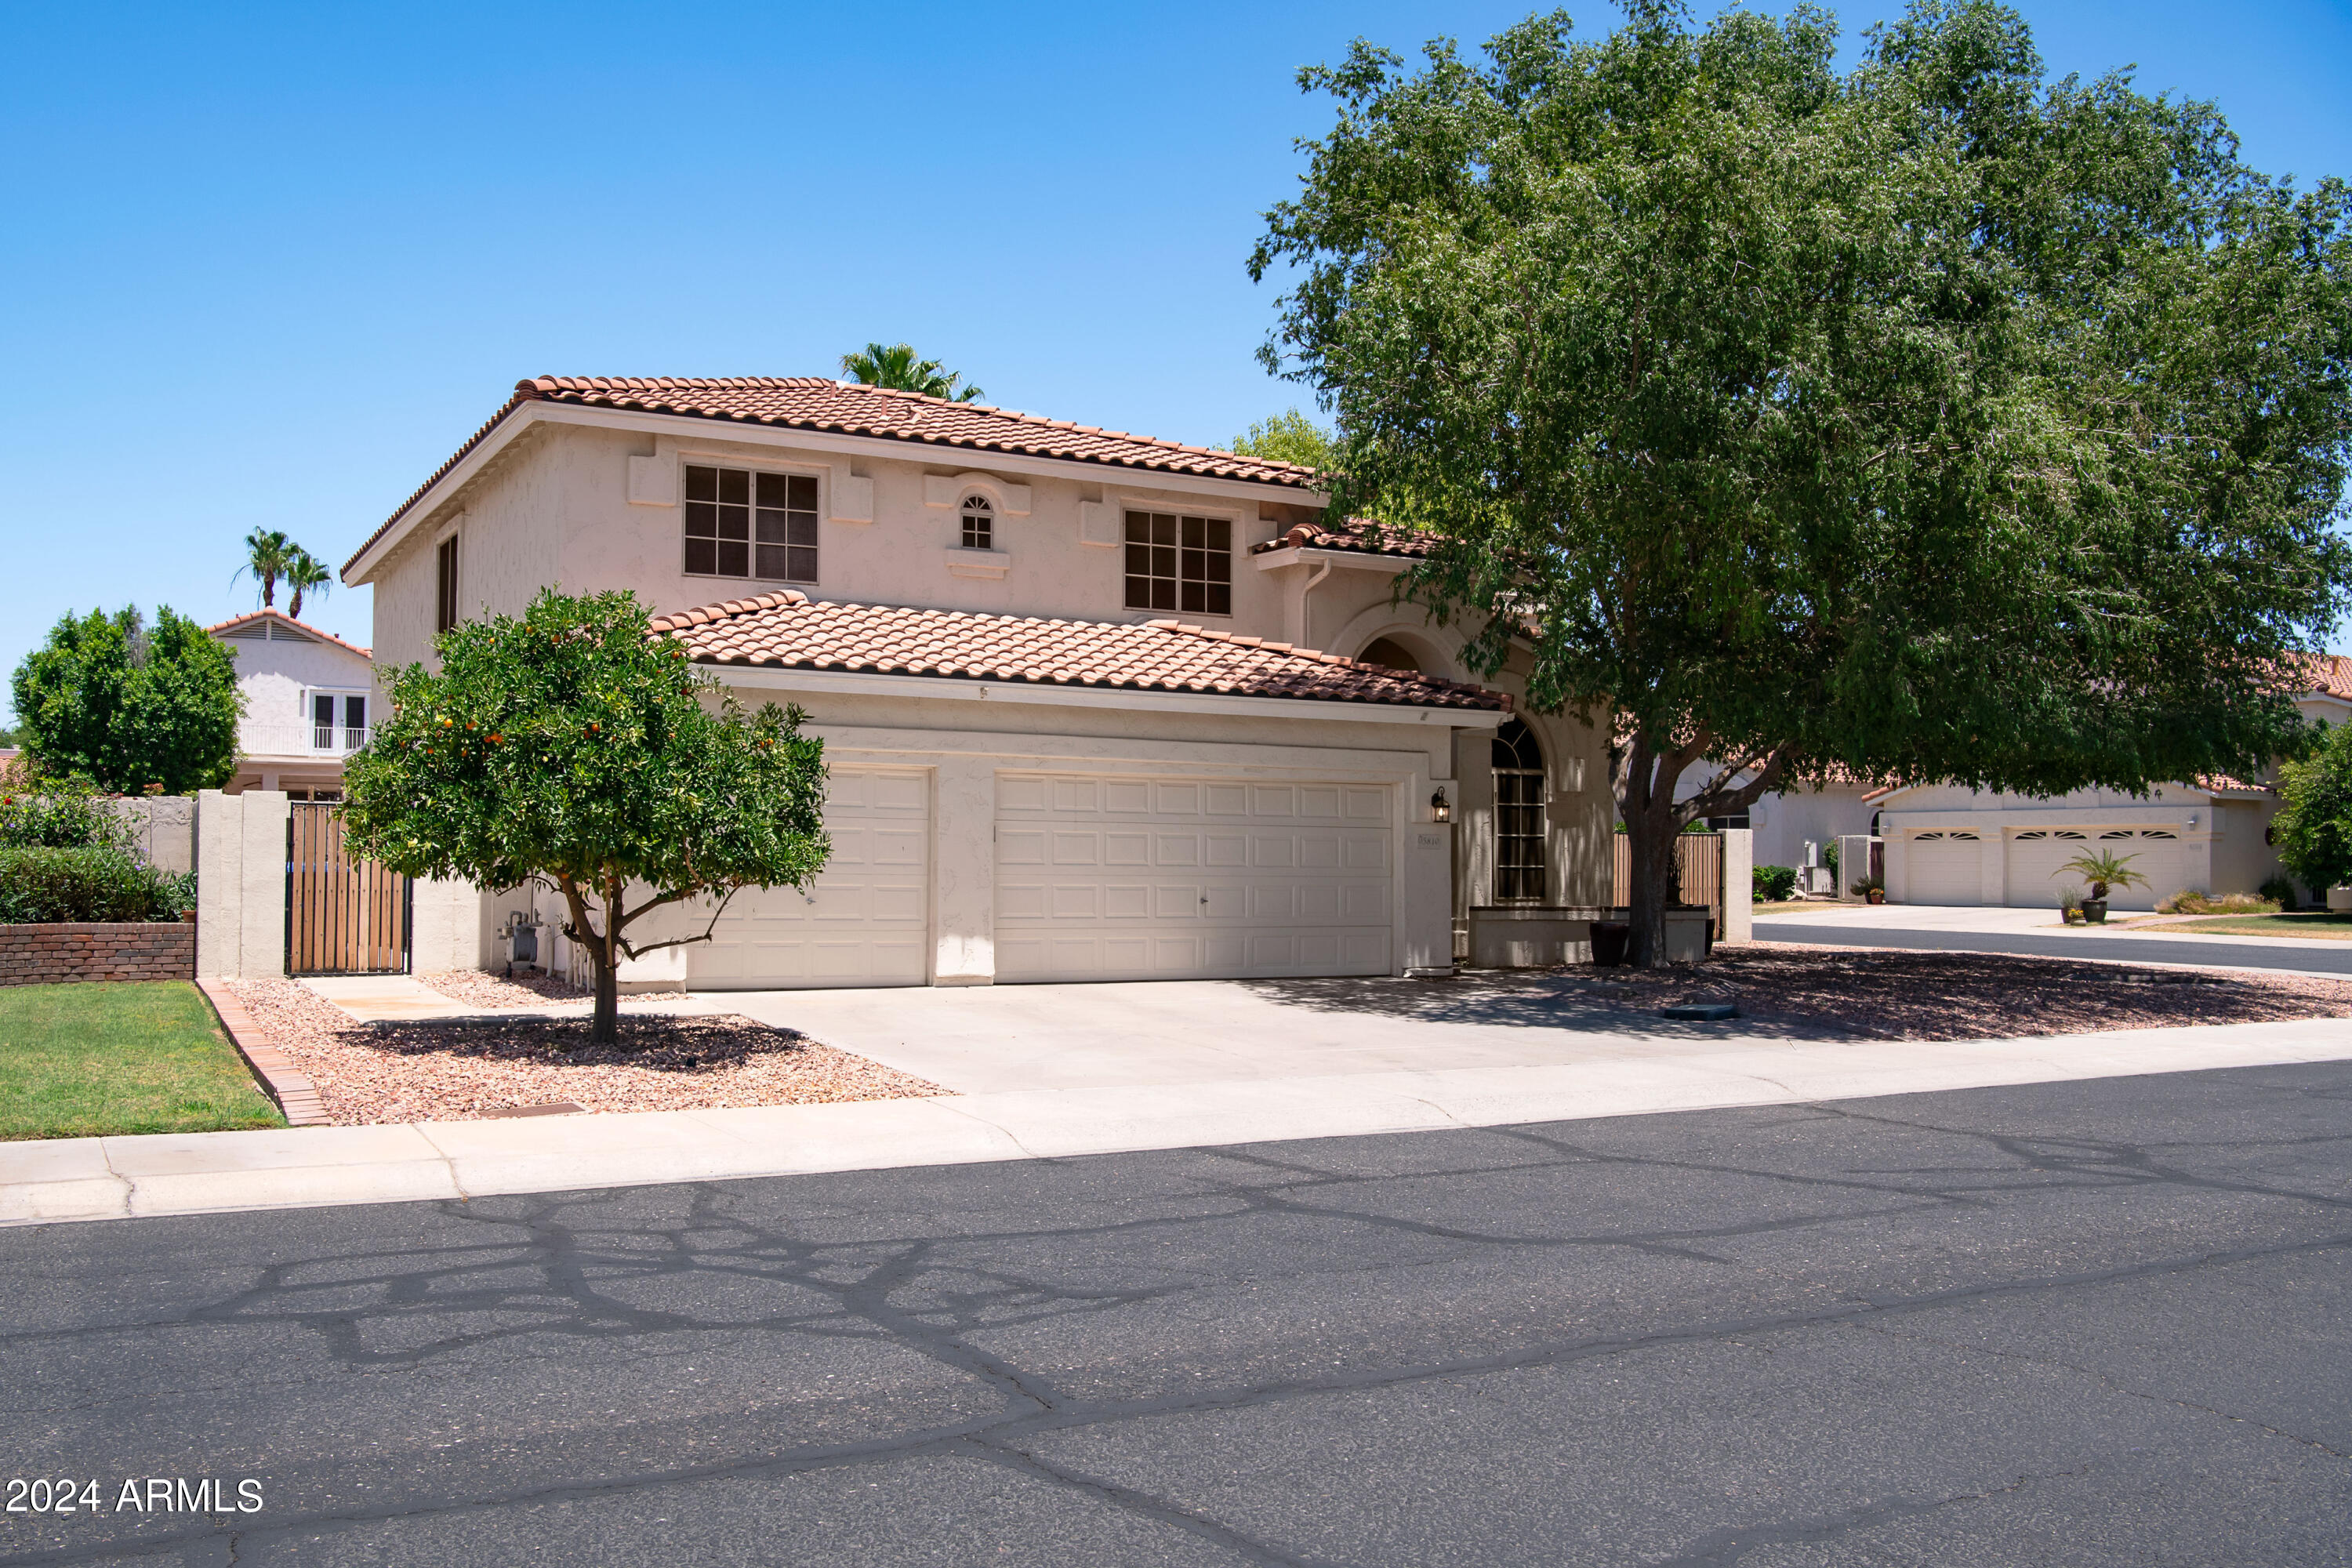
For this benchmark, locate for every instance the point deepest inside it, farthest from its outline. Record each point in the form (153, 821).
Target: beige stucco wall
(163, 829)
(554, 509)
(240, 884)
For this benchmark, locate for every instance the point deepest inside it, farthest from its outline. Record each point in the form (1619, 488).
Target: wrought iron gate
(343, 916)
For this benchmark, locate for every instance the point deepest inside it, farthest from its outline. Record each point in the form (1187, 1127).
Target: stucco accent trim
(1346, 560)
(944, 490)
(1280, 709)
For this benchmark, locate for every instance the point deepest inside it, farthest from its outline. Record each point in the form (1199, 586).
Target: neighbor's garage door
(1129, 879)
(2035, 859)
(866, 921)
(1946, 868)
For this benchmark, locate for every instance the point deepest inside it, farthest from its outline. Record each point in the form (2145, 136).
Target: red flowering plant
(574, 748)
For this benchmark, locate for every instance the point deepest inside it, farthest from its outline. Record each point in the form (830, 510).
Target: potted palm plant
(2102, 869)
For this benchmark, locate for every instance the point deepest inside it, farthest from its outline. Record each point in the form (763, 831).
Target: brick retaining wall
(46, 954)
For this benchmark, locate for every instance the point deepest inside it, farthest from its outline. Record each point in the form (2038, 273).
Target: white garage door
(1946, 868)
(2035, 859)
(1149, 879)
(866, 921)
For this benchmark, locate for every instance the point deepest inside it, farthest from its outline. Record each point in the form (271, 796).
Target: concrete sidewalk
(113, 1178)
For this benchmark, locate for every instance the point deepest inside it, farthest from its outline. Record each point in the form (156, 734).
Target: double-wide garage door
(2037, 859)
(866, 921)
(1134, 879)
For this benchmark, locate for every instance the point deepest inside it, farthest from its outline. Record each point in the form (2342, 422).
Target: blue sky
(267, 266)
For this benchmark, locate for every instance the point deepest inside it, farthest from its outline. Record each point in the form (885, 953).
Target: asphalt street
(2092, 1322)
(2334, 959)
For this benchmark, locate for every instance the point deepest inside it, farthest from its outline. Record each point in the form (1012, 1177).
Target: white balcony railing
(300, 739)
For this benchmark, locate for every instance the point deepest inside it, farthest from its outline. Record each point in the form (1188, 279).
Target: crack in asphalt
(1724, 1547)
(911, 1292)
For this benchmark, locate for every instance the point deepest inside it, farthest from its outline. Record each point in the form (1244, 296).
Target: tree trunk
(1646, 781)
(605, 1026)
(1656, 886)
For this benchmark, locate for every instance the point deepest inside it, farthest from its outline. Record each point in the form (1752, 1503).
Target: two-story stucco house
(306, 696)
(1098, 706)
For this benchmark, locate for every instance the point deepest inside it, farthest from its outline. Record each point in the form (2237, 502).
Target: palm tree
(266, 556)
(2102, 867)
(306, 573)
(894, 365)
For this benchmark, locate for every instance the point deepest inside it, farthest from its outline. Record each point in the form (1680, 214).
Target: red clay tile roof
(2223, 784)
(281, 617)
(850, 408)
(1357, 533)
(2331, 674)
(790, 631)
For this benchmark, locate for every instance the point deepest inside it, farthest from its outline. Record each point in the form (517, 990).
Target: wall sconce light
(1439, 811)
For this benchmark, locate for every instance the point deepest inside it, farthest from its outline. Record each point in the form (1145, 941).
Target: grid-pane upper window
(1518, 813)
(979, 524)
(742, 524)
(1180, 562)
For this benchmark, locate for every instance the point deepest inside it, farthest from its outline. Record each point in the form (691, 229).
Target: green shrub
(41, 886)
(2280, 891)
(1775, 883)
(62, 816)
(1830, 857)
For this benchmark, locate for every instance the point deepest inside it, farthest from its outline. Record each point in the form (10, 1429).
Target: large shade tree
(1927, 420)
(130, 706)
(571, 747)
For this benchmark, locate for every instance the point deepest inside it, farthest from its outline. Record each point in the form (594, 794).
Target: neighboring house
(1784, 822)
(1949, 844)
(308, 697)
(1067, 679)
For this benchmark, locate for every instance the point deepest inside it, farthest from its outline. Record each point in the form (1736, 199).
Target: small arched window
(1390, 654)
(979, 524)
(1518, 813)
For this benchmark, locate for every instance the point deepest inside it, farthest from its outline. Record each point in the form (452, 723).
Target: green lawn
(2320, 924)
(77, 1061)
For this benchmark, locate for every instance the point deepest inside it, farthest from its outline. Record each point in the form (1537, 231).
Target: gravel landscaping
(456, 1070)
(1880, 994)
(528, 988)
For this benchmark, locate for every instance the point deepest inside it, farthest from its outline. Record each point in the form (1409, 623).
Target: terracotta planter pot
(1875, 896)
(1609, 942)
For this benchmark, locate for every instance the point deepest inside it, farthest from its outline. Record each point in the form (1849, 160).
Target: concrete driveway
(2039, 934)
(988, 1039)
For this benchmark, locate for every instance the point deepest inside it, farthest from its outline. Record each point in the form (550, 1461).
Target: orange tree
(573, 749)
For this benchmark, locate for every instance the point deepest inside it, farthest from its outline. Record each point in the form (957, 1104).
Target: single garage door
(1162, 879)
(866, 921)
(1946, 868)
(2036, 858)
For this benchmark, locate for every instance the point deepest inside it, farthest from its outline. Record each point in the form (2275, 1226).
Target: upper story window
(1518, 813)
(445, 586)
(744, 524)
(1180, 562)
(979, 524)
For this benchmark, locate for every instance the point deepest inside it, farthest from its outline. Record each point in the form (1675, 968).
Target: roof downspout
(1298, 611)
